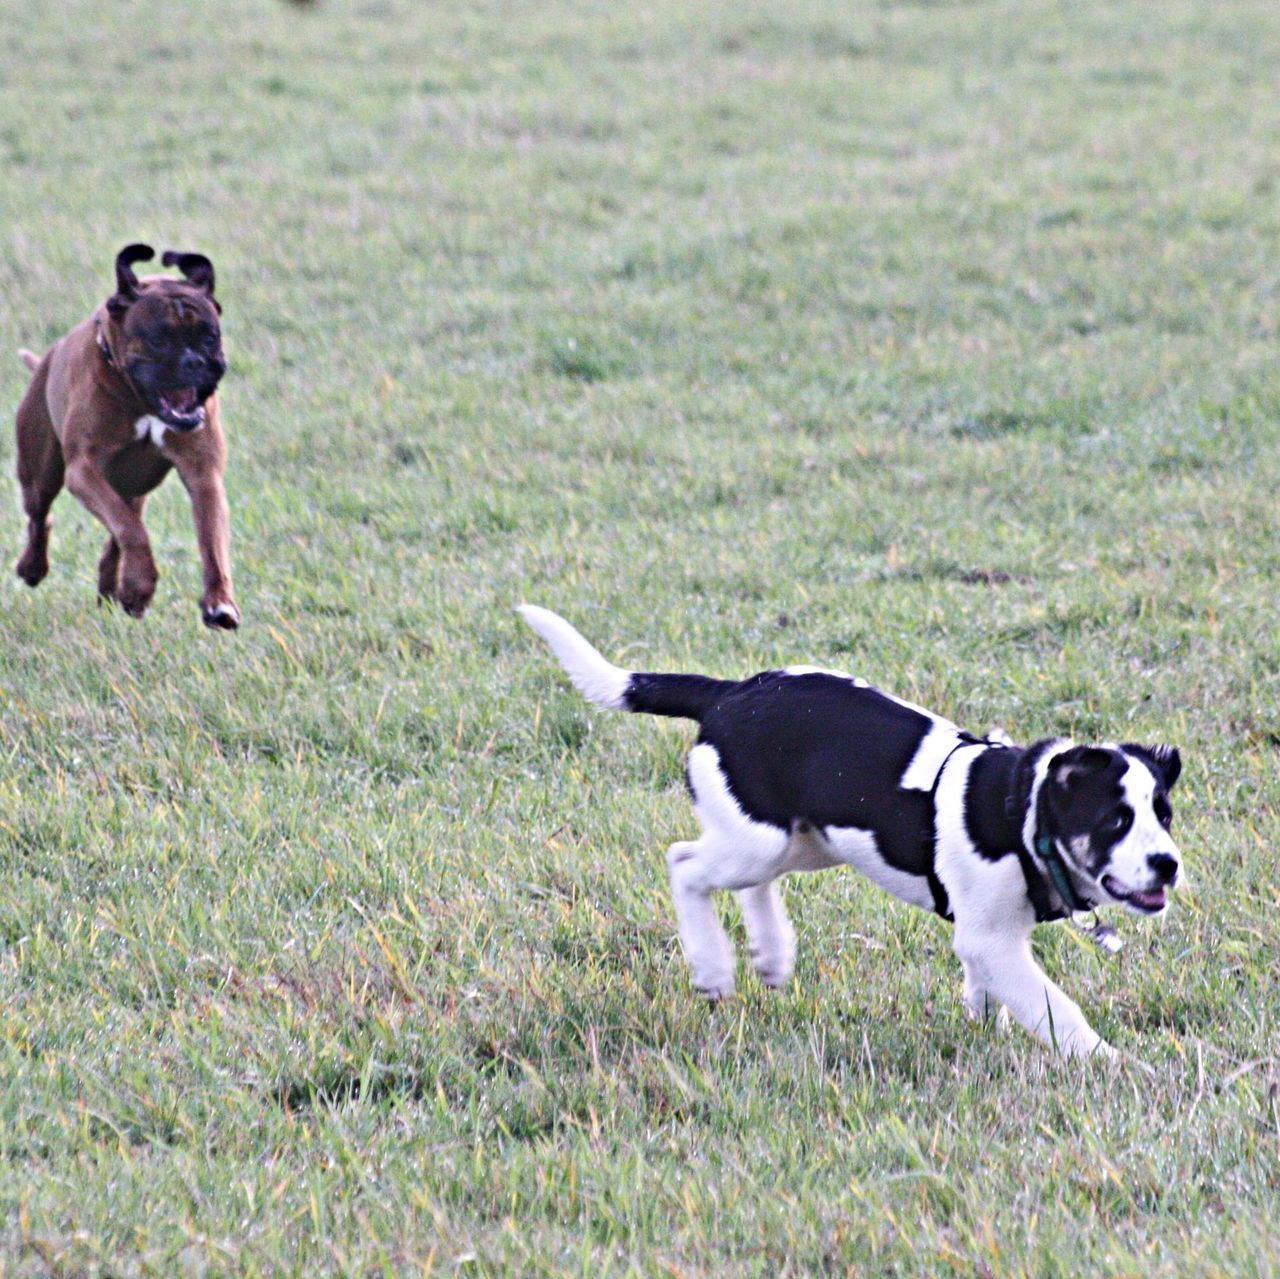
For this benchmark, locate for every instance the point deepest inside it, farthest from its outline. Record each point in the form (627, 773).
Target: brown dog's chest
(137, 468)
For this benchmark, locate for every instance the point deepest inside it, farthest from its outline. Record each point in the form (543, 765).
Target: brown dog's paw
(136, 584)
(32, 572)
(222, 617)
(134, 596)
(133, 603)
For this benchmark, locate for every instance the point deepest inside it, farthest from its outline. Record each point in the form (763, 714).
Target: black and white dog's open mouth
(1149, 901)
(181, 408)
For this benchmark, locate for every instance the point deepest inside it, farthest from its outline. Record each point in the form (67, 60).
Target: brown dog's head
(166, 336)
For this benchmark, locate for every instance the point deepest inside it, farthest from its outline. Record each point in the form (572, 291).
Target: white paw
(1086, 1044)
(715, 986)
(222, 617)
(774, 970)
(983, 1008)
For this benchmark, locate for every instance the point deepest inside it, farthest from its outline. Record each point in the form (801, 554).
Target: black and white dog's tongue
(1152, 899)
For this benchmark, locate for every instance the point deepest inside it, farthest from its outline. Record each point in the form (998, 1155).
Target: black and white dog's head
(1107, 809)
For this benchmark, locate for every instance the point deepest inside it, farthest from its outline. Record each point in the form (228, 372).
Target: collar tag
(1103, 936)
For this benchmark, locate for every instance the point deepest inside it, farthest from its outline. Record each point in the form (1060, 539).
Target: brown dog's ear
(126, 282)
(195, 266)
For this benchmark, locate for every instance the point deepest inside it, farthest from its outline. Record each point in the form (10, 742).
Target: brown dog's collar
(111, 362)
(102, 342)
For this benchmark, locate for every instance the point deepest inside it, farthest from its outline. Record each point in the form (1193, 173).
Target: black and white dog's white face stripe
(1113, 822)
(804, 768)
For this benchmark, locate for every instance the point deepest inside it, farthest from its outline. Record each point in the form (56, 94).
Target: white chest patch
(151, 426)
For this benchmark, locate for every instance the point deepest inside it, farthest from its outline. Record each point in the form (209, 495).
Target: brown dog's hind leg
(33, 564)
(40, 473)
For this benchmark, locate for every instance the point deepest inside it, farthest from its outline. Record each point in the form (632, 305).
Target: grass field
(936, 341)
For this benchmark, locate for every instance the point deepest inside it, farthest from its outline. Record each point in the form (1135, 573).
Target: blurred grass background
(931, 340)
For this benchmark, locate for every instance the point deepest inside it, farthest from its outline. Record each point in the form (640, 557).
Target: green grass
(933, 340)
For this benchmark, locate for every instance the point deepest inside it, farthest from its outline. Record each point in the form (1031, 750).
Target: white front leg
(980, 1004)
(994, 919)
(1002, 967)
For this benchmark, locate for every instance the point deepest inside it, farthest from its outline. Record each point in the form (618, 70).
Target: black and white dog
(802, 769)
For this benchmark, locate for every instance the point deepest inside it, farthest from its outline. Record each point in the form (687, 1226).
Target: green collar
(1054, 864)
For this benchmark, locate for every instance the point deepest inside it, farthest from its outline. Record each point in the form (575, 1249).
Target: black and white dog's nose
(1164, 866)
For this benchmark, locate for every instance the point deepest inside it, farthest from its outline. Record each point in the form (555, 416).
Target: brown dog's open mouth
(181, 407)
(1149, 901)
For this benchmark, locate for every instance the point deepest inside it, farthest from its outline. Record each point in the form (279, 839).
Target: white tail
(29, 358)
(596, 678)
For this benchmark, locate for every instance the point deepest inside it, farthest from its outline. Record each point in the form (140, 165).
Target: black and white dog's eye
(1164, 814)
(1119, 822)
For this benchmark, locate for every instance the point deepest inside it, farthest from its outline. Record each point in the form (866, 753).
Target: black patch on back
(822, 749)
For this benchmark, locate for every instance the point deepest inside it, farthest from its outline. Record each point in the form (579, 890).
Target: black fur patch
(679, 696)
(1083, 796)
(995, 801)
(820, 749)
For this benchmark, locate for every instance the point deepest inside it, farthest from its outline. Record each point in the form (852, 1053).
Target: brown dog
(115, 405)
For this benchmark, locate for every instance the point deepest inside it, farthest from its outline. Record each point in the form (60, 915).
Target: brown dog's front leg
(136, 581)
(213, 537)
(109, 563)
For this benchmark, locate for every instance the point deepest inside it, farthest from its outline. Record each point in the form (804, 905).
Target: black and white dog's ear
(1165, 760)
(1078, 763)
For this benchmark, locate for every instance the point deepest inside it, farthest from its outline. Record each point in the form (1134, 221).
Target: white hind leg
(773, 940)
(706, 944)
(734, 852)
